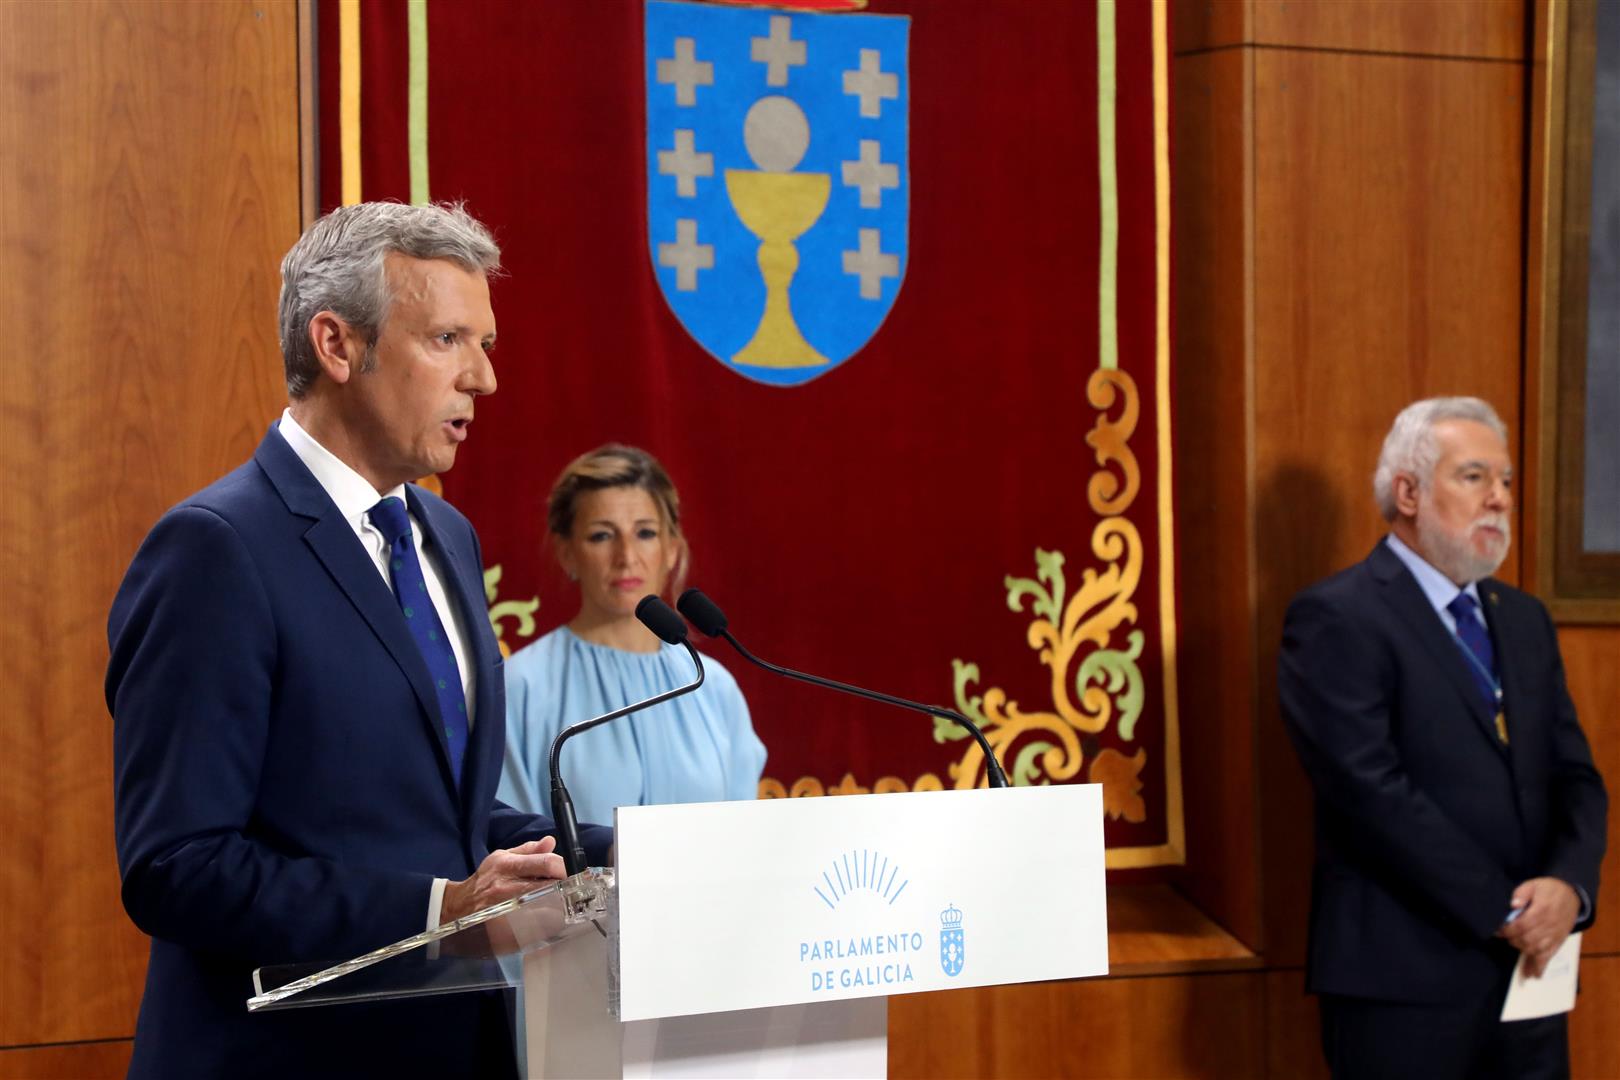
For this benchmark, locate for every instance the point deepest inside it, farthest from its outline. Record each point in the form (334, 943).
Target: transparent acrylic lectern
(556, 942)
(471, 953)
(778, 958)
(559, 945)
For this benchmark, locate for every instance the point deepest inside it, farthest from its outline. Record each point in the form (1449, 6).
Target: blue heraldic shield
(951, 955)
(778, 180)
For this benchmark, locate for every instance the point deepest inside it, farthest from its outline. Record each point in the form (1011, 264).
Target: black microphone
(707, 617)
(656, 616)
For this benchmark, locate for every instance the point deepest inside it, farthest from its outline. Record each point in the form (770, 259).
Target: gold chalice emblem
(778, 205)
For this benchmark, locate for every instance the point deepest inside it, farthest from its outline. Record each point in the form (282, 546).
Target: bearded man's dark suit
(1425, 822)
(283, 790)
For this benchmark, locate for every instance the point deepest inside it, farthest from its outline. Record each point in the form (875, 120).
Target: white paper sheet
(1553, 993)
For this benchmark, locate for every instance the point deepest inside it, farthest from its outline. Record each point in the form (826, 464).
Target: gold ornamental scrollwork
(1112, 493)
(806, 786)
(1087, 639)
(519, 611)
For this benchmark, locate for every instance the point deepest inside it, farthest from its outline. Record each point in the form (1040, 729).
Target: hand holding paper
(1549, 908)
(1552, 992)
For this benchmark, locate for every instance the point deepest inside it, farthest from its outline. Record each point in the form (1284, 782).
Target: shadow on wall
(1301, 516)
(1299, 530)
(1300, 523)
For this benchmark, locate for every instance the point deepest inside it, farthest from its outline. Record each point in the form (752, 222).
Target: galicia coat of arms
(951, 953)
(778, 180)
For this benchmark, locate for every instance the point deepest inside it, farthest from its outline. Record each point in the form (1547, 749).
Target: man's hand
(1549, 908)
(501, 876)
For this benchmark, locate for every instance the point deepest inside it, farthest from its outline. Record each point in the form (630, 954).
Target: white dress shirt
(1440, 589)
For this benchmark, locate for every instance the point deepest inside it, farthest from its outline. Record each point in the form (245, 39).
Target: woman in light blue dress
(614, 518)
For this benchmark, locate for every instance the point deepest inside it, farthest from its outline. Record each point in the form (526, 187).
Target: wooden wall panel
(1592, 668)
(1489, 29)
(1293, 1028)
(74, 1061)
(1387, 214)
(1163, 1027)
(1540, 334)
(1462, 28)
(1198, 25)
(1594, 1051)
(1215, 658)
(148, 187)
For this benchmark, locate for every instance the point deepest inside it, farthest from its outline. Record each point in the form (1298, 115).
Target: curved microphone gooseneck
(707, 617)
(656, 616)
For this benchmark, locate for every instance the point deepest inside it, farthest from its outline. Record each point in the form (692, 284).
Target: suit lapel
(333, 543)
(1524, 748)
(1517, 703)
(1507, 656)
(1402, 592)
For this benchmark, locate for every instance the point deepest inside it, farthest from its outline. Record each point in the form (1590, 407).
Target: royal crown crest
(951, 952)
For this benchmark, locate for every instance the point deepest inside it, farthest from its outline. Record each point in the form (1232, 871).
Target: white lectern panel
(857, 896)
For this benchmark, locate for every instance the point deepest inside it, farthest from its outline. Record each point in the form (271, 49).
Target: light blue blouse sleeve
(525, 784)
(746, 762)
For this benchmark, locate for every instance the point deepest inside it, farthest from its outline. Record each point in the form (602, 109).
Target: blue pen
(1513, 913)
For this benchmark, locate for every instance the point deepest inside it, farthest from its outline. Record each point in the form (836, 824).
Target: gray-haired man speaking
(306, 693)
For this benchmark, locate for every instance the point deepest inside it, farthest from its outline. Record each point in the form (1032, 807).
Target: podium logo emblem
(778, 180)
(865, 869)
(951, 954)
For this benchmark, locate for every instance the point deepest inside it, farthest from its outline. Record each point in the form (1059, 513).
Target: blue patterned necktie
(1482, 661)
(410, 589)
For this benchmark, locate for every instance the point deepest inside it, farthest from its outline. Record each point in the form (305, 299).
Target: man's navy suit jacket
(1425, 822)
(282, 785)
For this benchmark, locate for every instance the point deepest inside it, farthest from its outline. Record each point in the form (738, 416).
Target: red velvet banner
(972, 509)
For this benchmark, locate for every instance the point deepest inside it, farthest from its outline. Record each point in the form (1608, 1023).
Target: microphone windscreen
(658, 617)
(704, 613)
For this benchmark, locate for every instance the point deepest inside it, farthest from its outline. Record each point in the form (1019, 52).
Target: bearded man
(1459, 819)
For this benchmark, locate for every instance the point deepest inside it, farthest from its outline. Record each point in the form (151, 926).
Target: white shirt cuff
(436, 902)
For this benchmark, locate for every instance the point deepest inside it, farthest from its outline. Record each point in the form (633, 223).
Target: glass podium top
(481, 951)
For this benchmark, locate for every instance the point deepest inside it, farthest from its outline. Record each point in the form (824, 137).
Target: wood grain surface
(1158, 1027)
(1154, 930)
(108, 1060)
(1592, 669)
(1478, 29)
(1293, 1028)
(1202, 25)
(148, 188)
(1594, 1051)
(1213, 446)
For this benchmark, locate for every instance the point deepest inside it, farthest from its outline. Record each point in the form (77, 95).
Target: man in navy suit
(307, 697)
(1459, 820)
